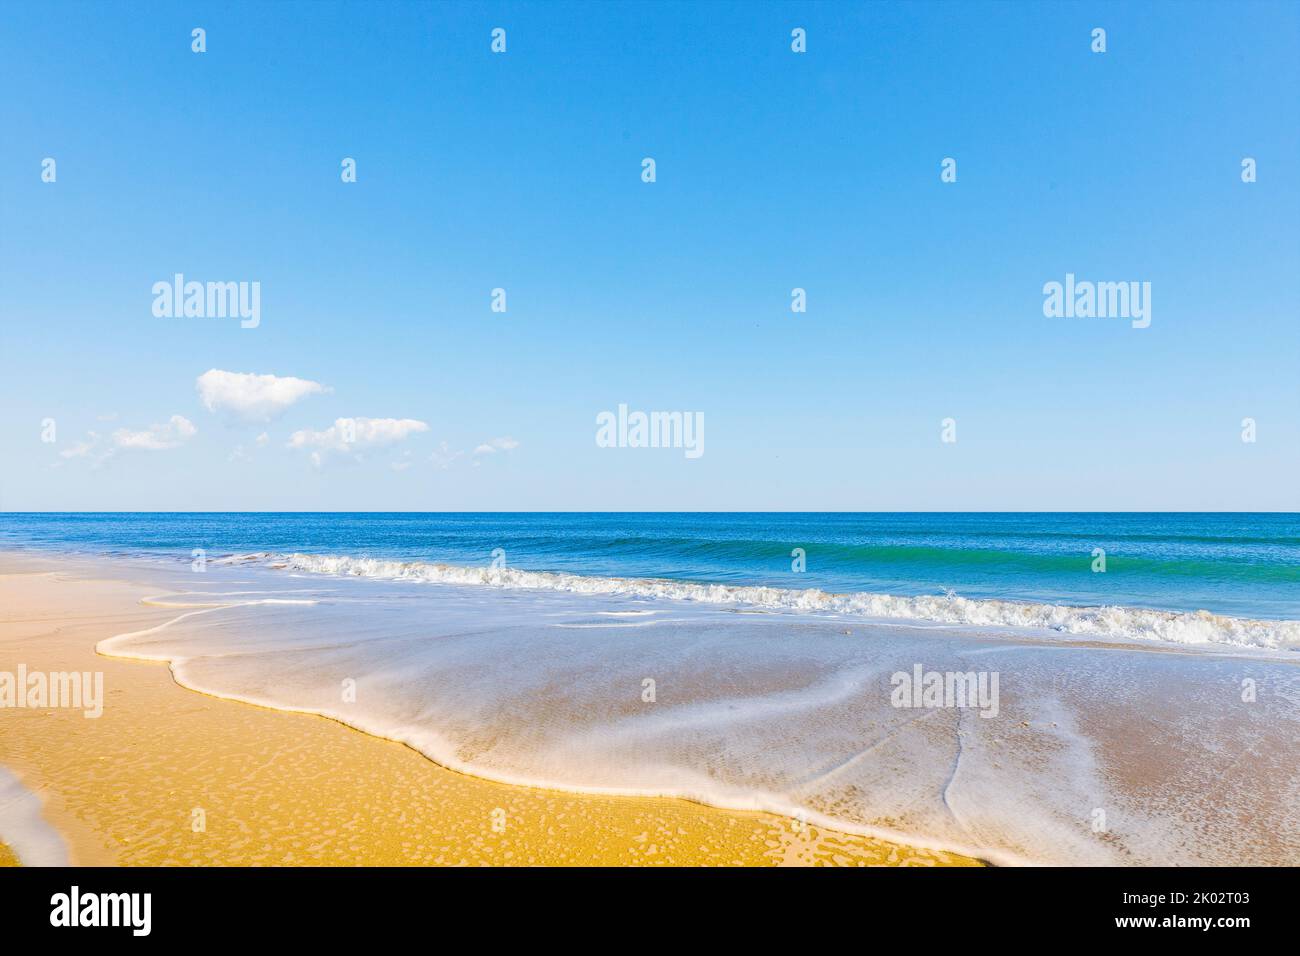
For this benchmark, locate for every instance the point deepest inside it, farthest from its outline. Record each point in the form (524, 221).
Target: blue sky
(775, 170)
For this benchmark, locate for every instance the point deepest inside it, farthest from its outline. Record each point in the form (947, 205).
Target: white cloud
(347, 436)
(262, 439)
(250, 397)
(444, 456)
(505, 443)
(100, 449)
(170, 434)
(93, 448)
(82, 449)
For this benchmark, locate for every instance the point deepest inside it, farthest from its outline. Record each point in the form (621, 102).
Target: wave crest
(1113, 621)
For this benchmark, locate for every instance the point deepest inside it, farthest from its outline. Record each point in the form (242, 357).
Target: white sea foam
(785, 711)
(1112, 622)
(23, 827)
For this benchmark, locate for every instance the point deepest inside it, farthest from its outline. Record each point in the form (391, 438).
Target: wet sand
(168, 776)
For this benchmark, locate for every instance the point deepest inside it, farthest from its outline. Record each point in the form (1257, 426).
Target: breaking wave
(1115, 622)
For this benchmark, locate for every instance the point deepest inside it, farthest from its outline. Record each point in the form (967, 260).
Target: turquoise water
(1243, 565)
(520, 648)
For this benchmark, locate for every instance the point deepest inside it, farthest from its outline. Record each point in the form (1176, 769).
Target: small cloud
(82, 449)
(444, 456)
(98, 449)
(347, 436)
(93, 449)
(262, 439)
(252, 398)
(505, 443)
(170, 434)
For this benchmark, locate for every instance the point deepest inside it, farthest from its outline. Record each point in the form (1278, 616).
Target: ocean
(962, 681)
(1244, 566)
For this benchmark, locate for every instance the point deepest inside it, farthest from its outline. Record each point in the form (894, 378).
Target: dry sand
(274, 788)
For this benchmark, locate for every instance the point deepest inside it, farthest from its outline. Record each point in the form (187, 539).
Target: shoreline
(168, 775)
(26, 839)
(1202, 627)
(1136, 624)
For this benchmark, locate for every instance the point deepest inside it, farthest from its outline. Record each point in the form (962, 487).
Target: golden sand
(7, 857)
(170, 776)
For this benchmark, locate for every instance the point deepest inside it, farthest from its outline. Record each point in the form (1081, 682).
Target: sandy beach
(168, 776)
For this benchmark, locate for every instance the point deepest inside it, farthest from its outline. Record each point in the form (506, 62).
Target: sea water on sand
(1096, 752)
(23, 827)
